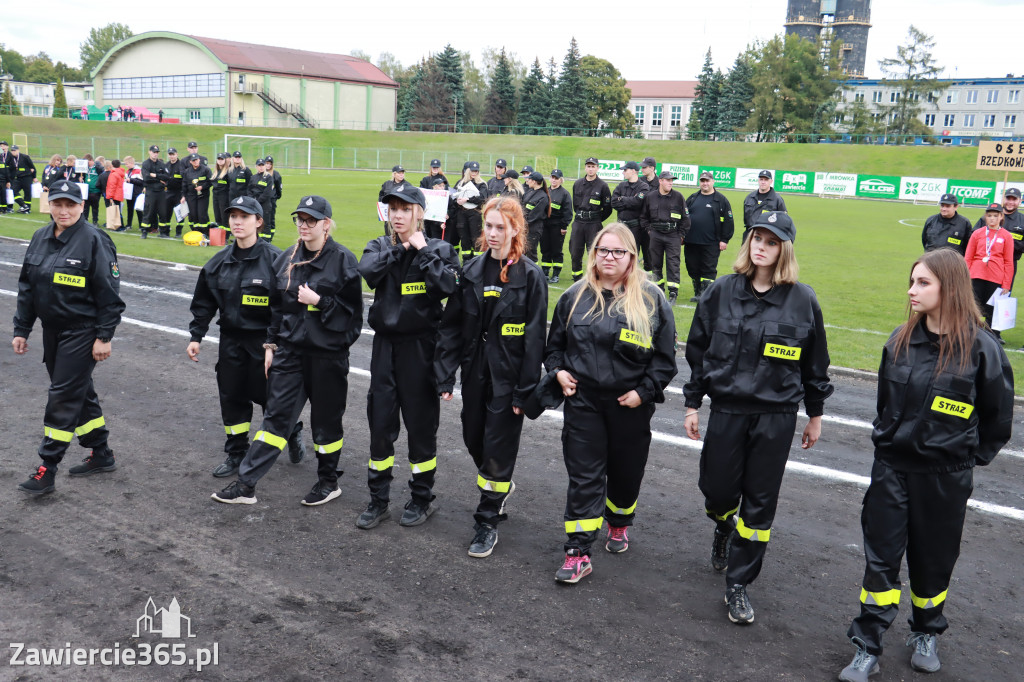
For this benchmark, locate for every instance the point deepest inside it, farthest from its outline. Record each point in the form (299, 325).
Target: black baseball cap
(536, 177)
(777, 222)
(994, 207)
(648, 161)
(591, 160)
(407, 193)
(172, 150)
(438, 180)
(237, 154)
(247, 204)
(948, 198)
(473, 165)
(765, 174)
(630, 165)
(3, 142)
(269, 159)
(707, 175)
(222, 156)
(154, 148)
(665, 175)
(259, 162)
(556, 173)
(314, 205)
(512, 174)
(193, 144)
(397, 169)
(193, 157)
(68, 190)
(435, 163)
(15, 148)
(1012, 192)
(526, 170)
(500, 163)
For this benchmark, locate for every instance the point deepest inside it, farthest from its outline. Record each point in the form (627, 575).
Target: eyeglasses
(308, 222)
(617, 254)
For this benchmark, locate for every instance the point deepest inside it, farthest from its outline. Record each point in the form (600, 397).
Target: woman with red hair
(494, 328)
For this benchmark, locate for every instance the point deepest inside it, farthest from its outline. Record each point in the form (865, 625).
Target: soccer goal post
(288, 152)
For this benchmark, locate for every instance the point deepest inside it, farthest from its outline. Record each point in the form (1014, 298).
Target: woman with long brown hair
(945, 405)
(537, 204)
(493, 327)
(221, 189)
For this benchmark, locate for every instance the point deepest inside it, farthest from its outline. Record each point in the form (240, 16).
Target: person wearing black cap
(196, 183)
(592, 201)
(411, 276)
(628, 198)
(648, 174)
(5, 182)
(525, 172)
(496, 185)
(711, 228)
(270, 219)
(397, 178)
(193, 148)
(237, 283)
(665, 218)
(155, 178)
(175, 168)
(219, 176)
(756, 347)
(261, 188)
(512, 187)
(468, 195)
(555, 226)
(316, 316)
(133, 176)
(537, 207)
(427, 181)
(70, 282)
(1013, 222)
(946, 229)
(761, 200)
(21, 173)
(238, 178)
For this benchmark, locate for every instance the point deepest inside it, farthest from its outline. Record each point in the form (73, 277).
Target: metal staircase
(280, 106)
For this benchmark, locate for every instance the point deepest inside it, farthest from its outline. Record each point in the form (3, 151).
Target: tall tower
(846, 21)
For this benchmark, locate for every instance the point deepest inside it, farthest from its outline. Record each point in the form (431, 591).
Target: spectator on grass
(132, 175)
(761, 200)
(115, 190)
(990, 261)
(104, 167)
(91, 177)
(51, 171)
(947, 229)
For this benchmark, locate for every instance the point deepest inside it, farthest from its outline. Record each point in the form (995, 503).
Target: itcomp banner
(973, 192)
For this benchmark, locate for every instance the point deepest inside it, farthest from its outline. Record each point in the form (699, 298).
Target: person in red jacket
(115, 190)
(990, 260)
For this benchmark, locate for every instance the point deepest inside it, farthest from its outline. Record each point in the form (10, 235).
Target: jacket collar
(775, 296)
(67, 234)
(474, 273)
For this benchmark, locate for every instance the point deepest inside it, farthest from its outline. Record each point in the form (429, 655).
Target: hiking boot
(862, 665)
(41, 482)
(484, 541)
(321, 493)
(672, 295)
(296, 445)
(229, 467)
(511, 489)
(618, 541)
(576, 567)
(236, 493)
(95, 463)
(740, 609)
(143, 233)
(374, 513)
(720, 550)
(925, 658)
(416, 513)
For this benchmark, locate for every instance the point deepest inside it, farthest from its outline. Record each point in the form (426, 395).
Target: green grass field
(855, 253)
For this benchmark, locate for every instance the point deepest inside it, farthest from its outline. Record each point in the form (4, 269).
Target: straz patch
(513, 329)
(630, 336)
(1017, 236)
(677, 216)
(69, 280)
(596, 201)
(772, 350)
(953, 240)
(255, 300)
(114, 270)
(412, 288)
(312, 309)
(952, 407)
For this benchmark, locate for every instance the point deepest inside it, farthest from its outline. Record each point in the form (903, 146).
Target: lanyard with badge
(988, 244)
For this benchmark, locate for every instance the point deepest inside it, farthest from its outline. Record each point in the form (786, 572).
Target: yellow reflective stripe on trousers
(724, 517)
(493, 486)
(887, 598)
(619, 510)
(329, 447)
(90, 426)
(235, 429)
(270, 439)
(57, 434)
(423, 467)
(583, 525)
(927, 602)
(382, 464)
(752, 534)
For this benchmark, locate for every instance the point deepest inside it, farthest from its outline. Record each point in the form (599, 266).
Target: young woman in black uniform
(945, 405)
(316, 315)
(411, 276)
(537, 206)
(612, 344)
(466, 210)
(220, 176)
(238, 177)
(757, 348)
(494, 327)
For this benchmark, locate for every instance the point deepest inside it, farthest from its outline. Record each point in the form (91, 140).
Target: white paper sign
(81, 165)
(437, 204)
(10, 197)
(129, 190)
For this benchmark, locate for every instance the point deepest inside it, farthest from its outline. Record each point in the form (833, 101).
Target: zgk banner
(724, 177)
(878, 186)
(746, 178)
(922, 189)
(609, 170)
(794, 181)
(686, 174)
(843, 184)
(972, 191)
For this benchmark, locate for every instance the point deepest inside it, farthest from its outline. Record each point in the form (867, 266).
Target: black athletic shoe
(236, 493)
(229, 467)
(321, 493)
(672, 297)
(94, 464)
(554, 279)
(296, 445)
(720, 550)
(24, 209)
(484, 541)
(374, 513)
(41, 482)
(143, 233)
(415, 513)
(741, 611)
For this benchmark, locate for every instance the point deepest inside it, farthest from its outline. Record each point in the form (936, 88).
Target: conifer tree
(501, 97)
(570, 106)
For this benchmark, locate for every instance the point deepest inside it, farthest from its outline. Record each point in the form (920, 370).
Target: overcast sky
(666, 42)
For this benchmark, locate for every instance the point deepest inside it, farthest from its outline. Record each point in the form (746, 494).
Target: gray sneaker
(862, 665)
(925, 658)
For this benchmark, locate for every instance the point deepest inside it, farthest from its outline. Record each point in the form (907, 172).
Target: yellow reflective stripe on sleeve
(414, 288)
(927, 602)
(724, 517)
(952, 407)
(495, 486)
(619, 510)
(69, 280)
(887, 598)
(328, 448)
(423, 467)
(235, 429)
(270, 439)
(57, 434)
(752, 534)
(90, 426)
(583, 525)
(382, 464)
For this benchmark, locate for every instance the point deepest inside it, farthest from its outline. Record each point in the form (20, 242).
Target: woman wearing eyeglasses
(612, 344)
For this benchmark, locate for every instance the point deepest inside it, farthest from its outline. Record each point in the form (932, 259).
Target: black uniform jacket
(561, 209)
(70, 282)
(512, 345)
(238, 287)
(174, 172)
(660, 209)
(20, 167)
(943, 422)
(604, 355)
(628, 198)
(953, 233)
(409, 285)
(592, 200)
(4, 175)
(427, 181)
(194, 178)
(334, 323)
(496, 186)
(535, 205)
(278, 184)
(238, 182)
(220, 185)
(388, 186)
(722, 210)
(756, 203)
(753, 355)
(51, 173)
(261, 188)
(159, 169)
(1014, 224)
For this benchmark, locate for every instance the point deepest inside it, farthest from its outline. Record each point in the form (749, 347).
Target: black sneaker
(321, 493)
(672, 297)
(94, 464)
(229, 467)
(296, 445)
(236, 493)
(143, 233)
(25, 209)
(720, 550)
(415, 513)
(741, 611)
(484, 541)
(374, 513)
(41, 482)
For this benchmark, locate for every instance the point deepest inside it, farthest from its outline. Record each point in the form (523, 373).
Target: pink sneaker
(576, 567)
(618, 541)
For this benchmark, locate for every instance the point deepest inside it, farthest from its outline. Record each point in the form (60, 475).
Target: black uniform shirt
(592, 198)
(427, 182)
(757, 203)
(492, 286)
(388, 186)
(721, 215)
(535, 205)
(20, 166)
(194, 178)
(660, 209)
(953, 233)
(702, 221)
(220, 185)
(174, 170)
(496, 185)
(261, 187)
(159, 178)
(628, 199)
(561, 209)
(238, 182)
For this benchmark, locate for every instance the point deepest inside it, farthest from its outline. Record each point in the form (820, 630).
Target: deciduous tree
(913, 73)
(607, 98)
(99, 42)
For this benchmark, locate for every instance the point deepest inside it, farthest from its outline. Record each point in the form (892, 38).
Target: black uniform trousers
(468, 223)
(92, 205)
(22, 188)
(701, 264)
(129, 209)
(152, 210)
(582, 237)
(270, 217)
(220, 208)
(741, 469)
(605, 447)
(534, 233)
(72, 408)
(665, 252)
(166, 208)
(983, 290)
(643, 245)
(198, 212)
(267, 231)
(551, 246)
(398, 383)
(324, 378)
(923, 515)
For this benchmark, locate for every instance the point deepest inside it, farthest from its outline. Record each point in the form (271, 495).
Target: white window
(677, 115)
(929, 120)
(194, 116)
(968, 120)
(972, 96)
(1013, 96)
(876, 116)
(241, 81)
(638, 114)
(876, 96)
(894, 97)
(165, 87)
(990, 120)
(859, 97)
(1010, 121)
(241, 118)
(38, 91)
(952, 97)
(993, 97)
(949, 120)
(656, 115)
(19, 90)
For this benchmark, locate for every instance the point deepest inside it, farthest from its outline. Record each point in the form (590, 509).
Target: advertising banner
(746, 178)
(922, 189)
(724, 177)
(686, 174)
(878, 186)
(973, 192)
(801, 182)
(609, 171)
(843, 184)
(1005, 155)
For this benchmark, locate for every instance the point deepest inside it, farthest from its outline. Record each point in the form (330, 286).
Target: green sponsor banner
(878, 186)
(724, 177)
(972, 191)
(794, 181)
